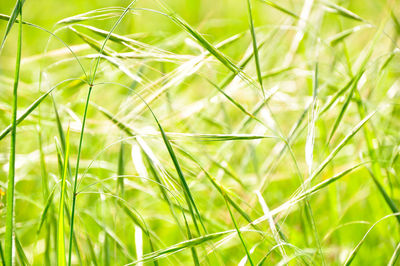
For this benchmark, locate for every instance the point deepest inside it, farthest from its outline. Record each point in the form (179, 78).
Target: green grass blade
(354, 252)
(233, 101)
(20, 252)
(395, 256)
(343, 143)
(11, 173)
(343, 11)
(3, 260)
(255, 47)
(284, 10)
(344, 107)
(385, 195)
(238, 232)
(181, 246)
(92, 252)
(45, 211)
(121, 170)
(60, 227)
(16, 11)
(83, 126)
(31, 108)
(61, 133)
(74, 194)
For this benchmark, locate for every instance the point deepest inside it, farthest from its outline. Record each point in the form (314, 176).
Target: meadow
(199, 132)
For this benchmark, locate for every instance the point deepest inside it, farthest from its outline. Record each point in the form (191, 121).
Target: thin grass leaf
(139, 222)
(186, 190)
(92, 252)
(221, 189)
(122, 247)
(181, 246)
(238, 232)
(229, 171)
(284, 10)
(255, 48)
(354, 252)
(8, 18)
(343, 143)
(16, 11)
(345, 105)
(395, 22)
(233, 101)
(20, 252)
(60, 227)
(61, 133)
(207, 45)
(83, 126)
(395, 256)
(3, 261)
(385, 195)
(218, 137)
(121, 170)
(342, 11)
(45, 210)
(92, 42)
(337, 38)
(11, 172)
(30, 109)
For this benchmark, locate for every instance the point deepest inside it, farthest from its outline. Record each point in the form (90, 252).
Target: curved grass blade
(354, 252)
(8, 18)
(395, 256)
(84, 122)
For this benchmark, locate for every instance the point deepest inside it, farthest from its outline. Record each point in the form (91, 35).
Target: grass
(250, 132)
(9, 235)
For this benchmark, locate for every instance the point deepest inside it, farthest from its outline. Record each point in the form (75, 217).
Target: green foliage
(249, 132)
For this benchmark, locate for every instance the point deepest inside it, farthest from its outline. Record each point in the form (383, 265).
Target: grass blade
(16, 11)
(20, 252)
(3, 261)
(238, 231)
(345, 105)
(255, 48)
(395, 256)
(11, 173)
(343, 11)
(45, 210)
(284, 10)
(354, 252)
(120, 171)
(60, 227)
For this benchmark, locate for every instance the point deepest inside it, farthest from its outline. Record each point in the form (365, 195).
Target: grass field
(199, 132)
